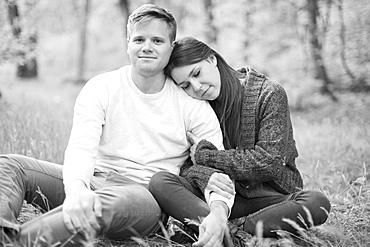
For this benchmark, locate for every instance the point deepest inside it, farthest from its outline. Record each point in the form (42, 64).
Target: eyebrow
(192, 71)
(158, 37)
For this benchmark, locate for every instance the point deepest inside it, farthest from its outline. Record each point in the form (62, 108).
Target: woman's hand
(213, 227)
(221, 184)
(194, 140)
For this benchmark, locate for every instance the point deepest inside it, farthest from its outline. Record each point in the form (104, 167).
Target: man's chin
(150, 69)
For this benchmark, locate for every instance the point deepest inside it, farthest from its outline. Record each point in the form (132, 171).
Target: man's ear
(173, 45)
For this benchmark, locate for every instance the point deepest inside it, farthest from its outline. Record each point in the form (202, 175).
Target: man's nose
(148, 46)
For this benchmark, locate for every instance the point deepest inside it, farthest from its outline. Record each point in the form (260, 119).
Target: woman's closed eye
(185, 85)
(196, 73)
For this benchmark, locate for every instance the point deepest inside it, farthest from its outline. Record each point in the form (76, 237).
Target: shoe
(180, 233)
(239, 237)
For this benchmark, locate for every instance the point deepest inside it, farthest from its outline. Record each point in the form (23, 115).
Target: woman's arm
(198, 176)
(274, 149)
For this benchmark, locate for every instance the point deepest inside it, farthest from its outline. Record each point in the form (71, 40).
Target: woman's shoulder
(262, 90)
(265, 83)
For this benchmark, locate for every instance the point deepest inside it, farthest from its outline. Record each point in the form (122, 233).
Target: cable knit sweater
(267, 153)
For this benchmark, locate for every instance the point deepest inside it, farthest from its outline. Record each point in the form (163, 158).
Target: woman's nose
(196, 85)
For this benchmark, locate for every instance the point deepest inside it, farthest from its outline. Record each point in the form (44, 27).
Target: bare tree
(124, 6)
(26, 58)
(211, 31)
(315, 49)
(248, 23)
(83, 42)
(343, 43)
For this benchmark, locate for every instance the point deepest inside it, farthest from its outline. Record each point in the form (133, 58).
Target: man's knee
(10, 159)
(11, 164)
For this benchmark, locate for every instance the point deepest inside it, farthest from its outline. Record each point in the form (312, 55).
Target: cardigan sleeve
(197, 175)
(274, 145)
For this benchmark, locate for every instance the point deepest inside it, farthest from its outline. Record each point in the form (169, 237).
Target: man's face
(149, 47)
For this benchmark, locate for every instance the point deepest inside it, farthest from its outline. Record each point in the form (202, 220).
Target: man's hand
(221, 184)
(81, 208)
(213, 227)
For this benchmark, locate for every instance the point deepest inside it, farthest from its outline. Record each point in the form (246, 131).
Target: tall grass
(333, 142)
(334, 146)
(36, 119)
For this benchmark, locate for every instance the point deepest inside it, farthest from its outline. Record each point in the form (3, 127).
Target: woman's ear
(213, 60)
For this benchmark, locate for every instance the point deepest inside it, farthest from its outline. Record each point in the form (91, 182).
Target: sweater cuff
(204, 144)
(212, 196)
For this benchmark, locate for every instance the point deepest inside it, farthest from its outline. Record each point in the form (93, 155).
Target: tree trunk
(343, 43)
(249, 9)
(124, 6)
(83, 43)
(211, 31)
(27, 68)
(315, 49)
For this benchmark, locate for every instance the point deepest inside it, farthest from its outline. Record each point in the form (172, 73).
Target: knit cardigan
(268, 151)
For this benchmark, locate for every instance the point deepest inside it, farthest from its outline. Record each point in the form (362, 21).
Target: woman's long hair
(228, 104)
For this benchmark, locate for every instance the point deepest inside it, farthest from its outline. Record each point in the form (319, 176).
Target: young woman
(259, 153)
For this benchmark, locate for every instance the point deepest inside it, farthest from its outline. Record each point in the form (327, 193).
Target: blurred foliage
(266, 34)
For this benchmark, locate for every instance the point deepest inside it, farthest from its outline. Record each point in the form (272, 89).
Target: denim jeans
(179, 199)
(129, 209)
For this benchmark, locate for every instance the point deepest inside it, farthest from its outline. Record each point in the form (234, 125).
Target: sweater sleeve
(88, 122)
(267, 160)
(197, 175)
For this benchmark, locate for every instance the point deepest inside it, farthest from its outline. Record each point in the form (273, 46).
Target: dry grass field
(333, 140)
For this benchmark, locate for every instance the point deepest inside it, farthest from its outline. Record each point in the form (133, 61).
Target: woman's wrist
(220, 208)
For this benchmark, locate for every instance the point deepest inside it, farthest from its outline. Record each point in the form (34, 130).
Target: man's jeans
(128, 207)
(179, 199)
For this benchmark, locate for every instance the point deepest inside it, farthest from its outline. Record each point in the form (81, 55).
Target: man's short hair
(148, 12)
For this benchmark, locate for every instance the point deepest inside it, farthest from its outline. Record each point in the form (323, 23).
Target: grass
(333, 140)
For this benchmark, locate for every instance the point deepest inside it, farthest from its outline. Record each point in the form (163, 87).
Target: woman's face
(200, 80)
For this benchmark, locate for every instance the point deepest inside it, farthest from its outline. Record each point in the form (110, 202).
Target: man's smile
(147, 57)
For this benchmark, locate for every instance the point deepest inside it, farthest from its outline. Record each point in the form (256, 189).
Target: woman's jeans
(128, 207)
(306, 208)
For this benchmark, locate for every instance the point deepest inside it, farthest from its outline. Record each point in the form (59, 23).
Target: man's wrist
(75, 186)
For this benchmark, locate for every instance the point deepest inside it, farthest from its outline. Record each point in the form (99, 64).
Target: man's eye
(138, 40)
(196, 73)
(158, 41)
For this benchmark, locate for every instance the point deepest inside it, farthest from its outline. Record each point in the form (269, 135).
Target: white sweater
(118, 128)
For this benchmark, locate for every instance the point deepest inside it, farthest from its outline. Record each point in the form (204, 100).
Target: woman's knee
(317, 203)
(160, 180)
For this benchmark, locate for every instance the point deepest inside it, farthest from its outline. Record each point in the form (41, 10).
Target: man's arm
(82, 206)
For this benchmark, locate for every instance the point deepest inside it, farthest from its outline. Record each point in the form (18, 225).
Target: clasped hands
(213, 227)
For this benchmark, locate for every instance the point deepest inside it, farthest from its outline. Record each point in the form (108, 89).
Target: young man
(128, 125)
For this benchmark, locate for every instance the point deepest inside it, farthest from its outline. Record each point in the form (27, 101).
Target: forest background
(317, 49)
